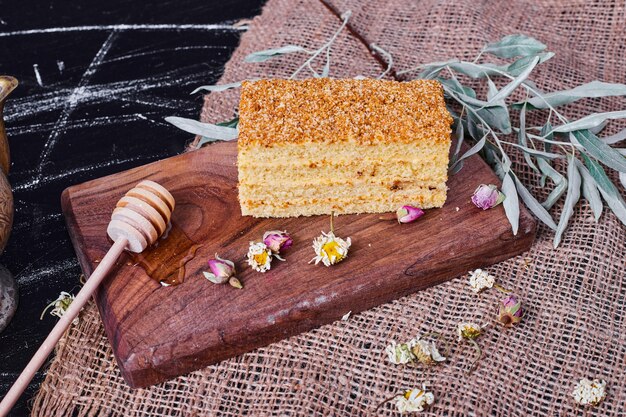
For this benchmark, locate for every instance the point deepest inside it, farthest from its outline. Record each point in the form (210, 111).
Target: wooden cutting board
(158, 333)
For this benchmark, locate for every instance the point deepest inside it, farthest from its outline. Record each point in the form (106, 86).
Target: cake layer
(324, 111)
(312, 190)
(349, 161)
(355, 204)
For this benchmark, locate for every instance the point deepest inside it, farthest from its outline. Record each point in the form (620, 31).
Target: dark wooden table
(96, 82)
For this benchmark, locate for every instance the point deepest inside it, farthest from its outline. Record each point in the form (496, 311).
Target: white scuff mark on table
(125, 27)
(25, 185)
(60, 66)
(71, 103)
(76, 124)
(128, 90)
(37, 75)
(158, 51)
(27, 278)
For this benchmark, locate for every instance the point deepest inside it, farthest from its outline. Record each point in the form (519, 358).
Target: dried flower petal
(259, 257)
(589, 393)
(469, 331)
(277, 241)
(399, 354)
(487, 196)
(414, 400)
(480, 280)
(408, 214)
(330, 249)
(234, 282)
(425, 352)
(221, 270)
(60, 306)
(511, 311)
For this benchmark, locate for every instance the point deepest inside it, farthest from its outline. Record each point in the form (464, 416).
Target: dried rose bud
(408, 214)
(511, 311)
(277, 241)
(487, 196)
(221, 270)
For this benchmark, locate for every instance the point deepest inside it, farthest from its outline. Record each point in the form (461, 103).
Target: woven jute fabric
(574, 296)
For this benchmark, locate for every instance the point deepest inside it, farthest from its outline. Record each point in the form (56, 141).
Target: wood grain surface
(158, 332)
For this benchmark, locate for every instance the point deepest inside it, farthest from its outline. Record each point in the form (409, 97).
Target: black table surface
(96, 81)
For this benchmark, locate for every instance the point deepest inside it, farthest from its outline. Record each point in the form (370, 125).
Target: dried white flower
(589, 392)
(425, 352)
(414, 400)
(468, 330)
(259, 256)
(480, 280)
(399, 354)
(330, 249)
(60, 306)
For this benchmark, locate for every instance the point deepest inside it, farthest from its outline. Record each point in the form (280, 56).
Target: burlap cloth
(574, 296)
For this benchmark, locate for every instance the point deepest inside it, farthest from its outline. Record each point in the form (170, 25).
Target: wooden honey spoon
(140, 217)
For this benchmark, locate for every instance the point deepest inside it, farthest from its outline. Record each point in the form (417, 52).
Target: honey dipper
(139, 218)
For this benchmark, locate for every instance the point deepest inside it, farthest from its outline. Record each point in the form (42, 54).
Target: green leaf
(515, 45)
(492, 89)
(521, 138)
(590, 191)
(467, 68)
(593, 89)
(546, 132)
(618, 137)
(230, 123)
(208, 130)
(533, 205)
(473, 128)
(590, 121)
(607, 189)
(560, 183)
(460, 137)
(600, 150)
(537, 153)
(221, 87)
(471, 151)
(262, 56)
(622, 179)
(511, 202)
(510, 87)
(496, 116)
(573, 195)
(519, 66)
(454, 85)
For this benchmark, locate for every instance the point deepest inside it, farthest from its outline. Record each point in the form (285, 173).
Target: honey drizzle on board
(165, 261)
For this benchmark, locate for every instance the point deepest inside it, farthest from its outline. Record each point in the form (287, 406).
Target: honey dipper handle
(79, 302)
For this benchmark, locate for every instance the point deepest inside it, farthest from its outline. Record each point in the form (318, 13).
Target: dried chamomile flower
(259, 257)
(426, 352)
(414, 400)
(511, 311)
(399, 354)
(330, 249)
(480, 280)
(469, 331)
(487, 196)
(60, 306)
(222, 271)
(589, 393)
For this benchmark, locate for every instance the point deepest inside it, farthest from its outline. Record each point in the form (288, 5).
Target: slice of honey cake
(349, 146)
